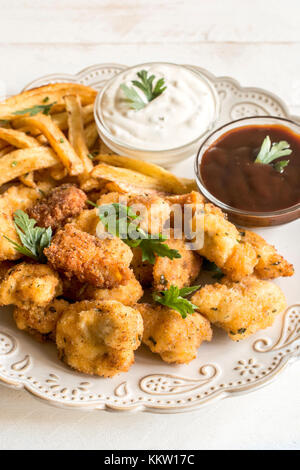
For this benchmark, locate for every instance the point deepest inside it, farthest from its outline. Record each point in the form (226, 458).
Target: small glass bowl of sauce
(251, 193)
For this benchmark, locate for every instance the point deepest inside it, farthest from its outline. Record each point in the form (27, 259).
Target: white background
(255, 41)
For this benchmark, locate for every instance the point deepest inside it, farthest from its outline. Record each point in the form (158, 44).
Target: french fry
(58, 142)
(76, 131)
(129, 178)
(18, 139)
(28, 179)
(61, 119)
(46, 95)
(19, 162)
(169, 182)
(189, 185)
(5, 150)
(91, 134)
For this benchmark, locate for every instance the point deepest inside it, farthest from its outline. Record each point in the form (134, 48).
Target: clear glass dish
(239, 216)
(166, 157)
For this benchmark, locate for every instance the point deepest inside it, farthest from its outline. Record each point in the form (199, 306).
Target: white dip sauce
(182, 113)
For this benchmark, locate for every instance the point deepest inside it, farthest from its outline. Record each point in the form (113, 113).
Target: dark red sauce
(228, 170)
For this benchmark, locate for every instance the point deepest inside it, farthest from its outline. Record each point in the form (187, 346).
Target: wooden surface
(255, 41)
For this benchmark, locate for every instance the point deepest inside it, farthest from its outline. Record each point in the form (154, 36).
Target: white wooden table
(255, 41)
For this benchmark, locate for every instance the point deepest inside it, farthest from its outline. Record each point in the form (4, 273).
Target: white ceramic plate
(223, 368)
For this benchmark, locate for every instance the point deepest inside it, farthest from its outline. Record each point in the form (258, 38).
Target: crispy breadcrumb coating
(270, 263)
(180, 272)
(5, 266)
(241, 308)
(127, 294)
(143, 270)
(54, 210)
(175, 339)
(40, 321)
(102, 263)
(99, 337)
(28, 285)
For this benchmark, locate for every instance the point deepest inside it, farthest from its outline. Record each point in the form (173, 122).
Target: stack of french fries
(53, 128)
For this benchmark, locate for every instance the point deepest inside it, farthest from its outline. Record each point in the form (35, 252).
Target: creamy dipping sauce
(181, 114)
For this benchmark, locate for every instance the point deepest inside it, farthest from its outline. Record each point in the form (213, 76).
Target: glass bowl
(239, 216)
(166, 157)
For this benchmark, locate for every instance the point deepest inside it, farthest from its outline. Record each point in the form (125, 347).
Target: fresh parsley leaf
(270, 152)
(123, 222)
(146, 86)
(41, 108)
(34, 239)
(174, 299)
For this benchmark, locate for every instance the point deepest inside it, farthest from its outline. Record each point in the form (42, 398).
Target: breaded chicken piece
(241, 308)
(102, 263)
(99, 337)
(175, 339)
(87, 221)
(154, 210)
(17, 197)
(223, 245)
(28, 285)
(40, 321)
(62, 202)
(270, 263)
(127, 294)
(143, 270)
(180, 272)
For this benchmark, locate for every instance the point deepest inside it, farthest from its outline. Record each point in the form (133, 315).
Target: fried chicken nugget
(175, 339)
(143, 270)
(154, 210)
(87, 221)
(5, 266)
(222, 242)
(62, 202)
(180, 272)
(17, 197)
(242, 308)
(102, 263)
(127, 294)
(27, 284)
(40, 321)
(99, 337)
(270, 264)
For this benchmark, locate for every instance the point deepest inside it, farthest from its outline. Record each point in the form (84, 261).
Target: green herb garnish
(90, 156)
(34, 239)
(14, 163)
(40, 108)
(174, 299)
(122, 221)
(146, 86)
(213, 268)
(270, 152)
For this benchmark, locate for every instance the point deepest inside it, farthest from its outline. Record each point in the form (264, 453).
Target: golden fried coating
(17, 197)
(27, 285)
(102, 263)
(241, 308)
(143, 270)
(175, 339)
(99, 337)
(40, 321)
(180, 272)
(87, 221)
(127, 294)
(154, 210)
(224, 246)
(270, 263)
(62, 202)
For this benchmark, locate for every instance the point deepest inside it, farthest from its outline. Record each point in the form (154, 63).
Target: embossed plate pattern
(222, 369)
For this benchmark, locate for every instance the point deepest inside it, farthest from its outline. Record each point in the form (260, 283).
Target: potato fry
(91, 134)
(61, 119)
(44, 95)
(18, 139)
(28, 180)
(20, 162)
(129, 178)
(5, 150)
(76, 131)
(169, 182)
(58, 142)
(189, 184)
